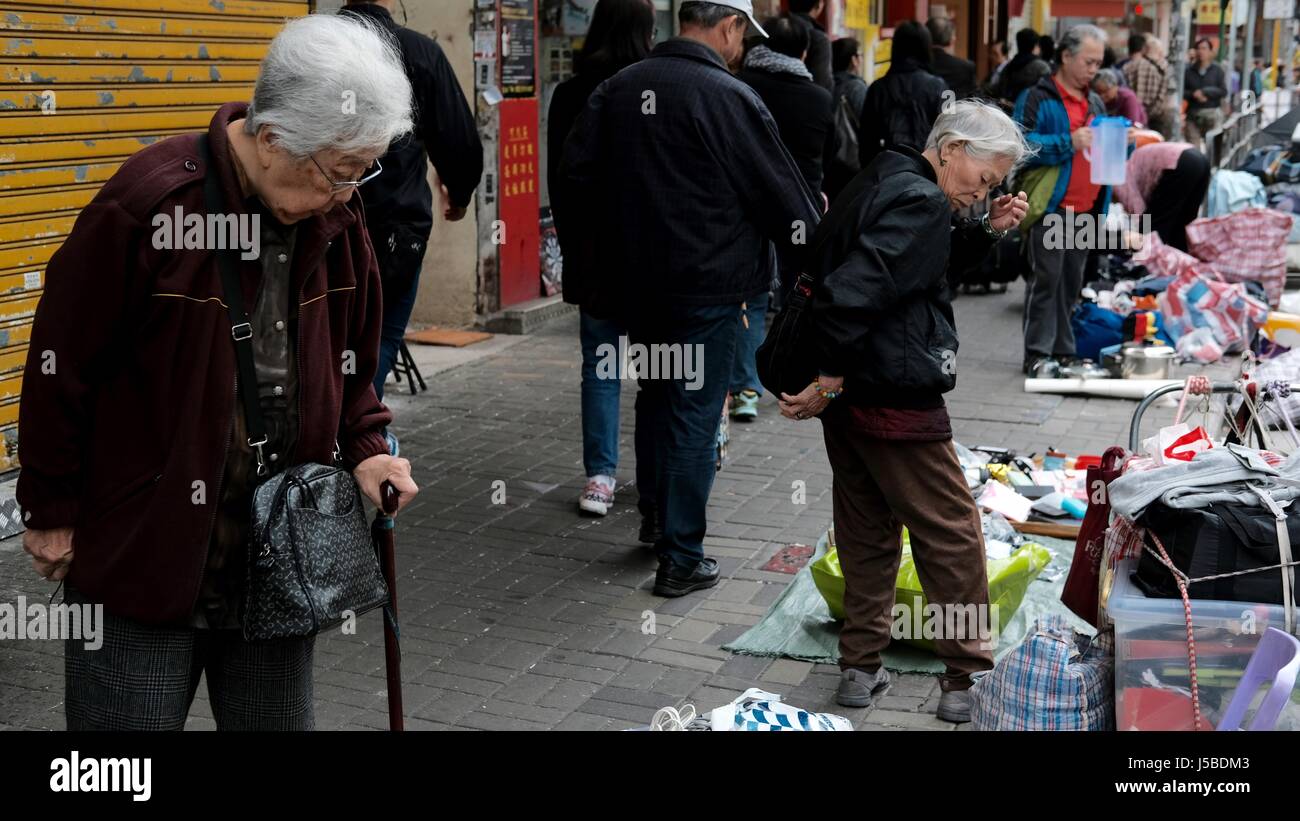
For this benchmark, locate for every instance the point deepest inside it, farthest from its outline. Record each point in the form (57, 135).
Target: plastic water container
(1108, 154)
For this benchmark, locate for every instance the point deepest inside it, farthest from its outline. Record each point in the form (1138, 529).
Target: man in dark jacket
(1024, 71)
(819, 46)
(1204, 89)
(399, 203)
(679, 182)
(956, 73)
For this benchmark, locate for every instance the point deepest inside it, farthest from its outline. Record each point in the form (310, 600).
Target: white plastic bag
(759, 710)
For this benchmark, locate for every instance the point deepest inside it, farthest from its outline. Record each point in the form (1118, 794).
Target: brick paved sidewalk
(525, 616)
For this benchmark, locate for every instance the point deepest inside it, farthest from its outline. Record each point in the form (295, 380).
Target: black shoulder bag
(312, 562)
(787, 360)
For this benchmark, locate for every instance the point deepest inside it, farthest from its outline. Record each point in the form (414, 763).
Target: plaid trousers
(144, 677)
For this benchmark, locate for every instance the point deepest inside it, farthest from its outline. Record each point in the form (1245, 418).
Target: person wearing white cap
(679, 184)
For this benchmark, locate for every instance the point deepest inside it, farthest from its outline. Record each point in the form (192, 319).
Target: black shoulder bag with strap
(787, 360)
(312, 562)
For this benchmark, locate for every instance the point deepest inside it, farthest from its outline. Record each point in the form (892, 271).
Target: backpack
(846, 137)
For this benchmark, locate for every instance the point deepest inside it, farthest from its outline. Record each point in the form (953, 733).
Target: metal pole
(1248, 59)
(1181, 30)
(1232, 57)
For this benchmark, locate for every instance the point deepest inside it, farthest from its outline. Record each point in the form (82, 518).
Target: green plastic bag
(1009, 580)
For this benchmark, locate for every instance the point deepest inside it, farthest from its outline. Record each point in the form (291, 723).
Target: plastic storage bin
(1152, 684)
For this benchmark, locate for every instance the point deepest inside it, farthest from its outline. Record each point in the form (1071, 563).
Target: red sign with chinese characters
(520, 203)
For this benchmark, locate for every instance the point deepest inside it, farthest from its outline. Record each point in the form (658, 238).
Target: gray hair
(331, 81)
(941, 30)
(1074, 38)
(1106, 78)
(705, 15)
(985, 132)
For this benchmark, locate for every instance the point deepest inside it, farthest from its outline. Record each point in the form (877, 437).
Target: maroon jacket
(129, 393)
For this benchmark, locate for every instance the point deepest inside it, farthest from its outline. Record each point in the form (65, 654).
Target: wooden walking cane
(382, 530)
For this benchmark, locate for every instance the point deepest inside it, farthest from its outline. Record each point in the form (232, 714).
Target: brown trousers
(880, 486)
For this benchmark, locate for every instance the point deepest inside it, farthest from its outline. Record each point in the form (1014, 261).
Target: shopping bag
(1197, 298)
(1176, 443)
(761, 711)
(1008, 578)
(1081, 585)
(1055, 679)
(1243, 246)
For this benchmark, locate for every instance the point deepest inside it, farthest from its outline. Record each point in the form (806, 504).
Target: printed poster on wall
(518, 48)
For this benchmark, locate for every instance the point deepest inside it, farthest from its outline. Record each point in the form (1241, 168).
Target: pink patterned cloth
(1163, 260)
(1247, 245)
(1144, 169)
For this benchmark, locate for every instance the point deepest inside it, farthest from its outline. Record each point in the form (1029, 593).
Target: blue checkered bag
(1057, 679)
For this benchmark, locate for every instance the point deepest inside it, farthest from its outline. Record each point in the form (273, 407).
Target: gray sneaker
(954, 706)
(858, 688)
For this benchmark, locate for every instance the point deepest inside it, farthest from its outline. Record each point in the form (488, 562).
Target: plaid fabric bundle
(1124, 539)
(1195, 299)
(1246, 245)
(1055, 680)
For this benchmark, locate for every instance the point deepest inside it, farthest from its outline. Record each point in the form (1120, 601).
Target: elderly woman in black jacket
(884, 337)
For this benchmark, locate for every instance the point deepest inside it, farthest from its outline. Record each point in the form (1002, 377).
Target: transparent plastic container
(1152, 684)
(1108, 155)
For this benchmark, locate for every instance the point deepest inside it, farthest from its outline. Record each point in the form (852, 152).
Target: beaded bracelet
(826, 394)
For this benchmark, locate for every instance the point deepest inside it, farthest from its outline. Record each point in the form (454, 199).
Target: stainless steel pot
(1146, 361)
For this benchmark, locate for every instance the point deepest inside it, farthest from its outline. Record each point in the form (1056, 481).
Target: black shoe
(650, 531)
(1042, 367)
(672, 582)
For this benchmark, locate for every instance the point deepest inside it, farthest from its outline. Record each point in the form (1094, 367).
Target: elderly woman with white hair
(138, 465)
(885, 345)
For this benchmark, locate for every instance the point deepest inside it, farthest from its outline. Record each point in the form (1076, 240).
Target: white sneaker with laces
(598, 496)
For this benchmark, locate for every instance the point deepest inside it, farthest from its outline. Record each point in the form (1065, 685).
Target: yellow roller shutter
(83, 85)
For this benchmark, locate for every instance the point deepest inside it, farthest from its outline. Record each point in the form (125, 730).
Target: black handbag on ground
(312, 561)
(1211, 541)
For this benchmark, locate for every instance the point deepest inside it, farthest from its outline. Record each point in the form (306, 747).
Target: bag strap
(241, 330)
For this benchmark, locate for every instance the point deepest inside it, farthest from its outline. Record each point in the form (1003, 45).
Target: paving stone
(686, 660)
(787, 671)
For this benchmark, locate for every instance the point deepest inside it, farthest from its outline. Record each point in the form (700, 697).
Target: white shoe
(598, 496)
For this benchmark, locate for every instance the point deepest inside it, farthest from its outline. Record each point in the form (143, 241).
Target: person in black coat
(903, 105)
(850, 94)
(819, 45)
(803, 114)
(399, 202)
(958, 74)
(621, 33)
(801, 108)
(1024, 71)
(681, 183)
(883, 345)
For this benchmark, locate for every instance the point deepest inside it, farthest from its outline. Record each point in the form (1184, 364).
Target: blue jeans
(399, 251)
(677, 424)
(744, 371)
(600, 396)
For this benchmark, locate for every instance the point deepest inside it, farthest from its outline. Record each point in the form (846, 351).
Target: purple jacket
(1127, 104)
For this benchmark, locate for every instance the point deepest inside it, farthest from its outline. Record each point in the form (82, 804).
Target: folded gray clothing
(1224, 474)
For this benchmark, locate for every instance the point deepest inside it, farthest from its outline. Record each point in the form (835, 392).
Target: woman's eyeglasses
(337, 186)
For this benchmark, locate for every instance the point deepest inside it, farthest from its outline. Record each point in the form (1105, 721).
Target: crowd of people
(691, 182)
(678, 222)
